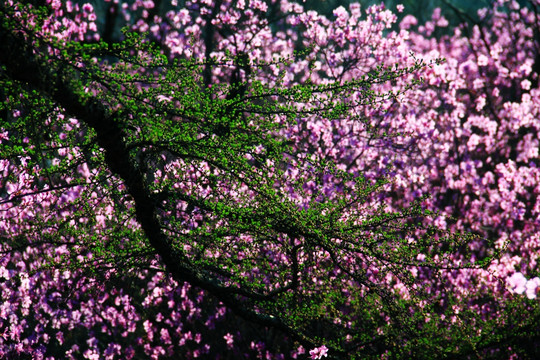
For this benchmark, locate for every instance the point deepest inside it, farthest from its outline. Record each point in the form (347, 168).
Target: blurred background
(455, 11)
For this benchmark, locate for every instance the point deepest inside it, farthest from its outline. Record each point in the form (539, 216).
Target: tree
(193, 155)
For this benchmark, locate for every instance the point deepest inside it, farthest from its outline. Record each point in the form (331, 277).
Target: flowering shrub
(243, 179)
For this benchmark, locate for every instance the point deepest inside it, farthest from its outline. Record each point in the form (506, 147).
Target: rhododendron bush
(246, 179)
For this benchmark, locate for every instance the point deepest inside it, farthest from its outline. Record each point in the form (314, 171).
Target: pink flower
(531, 287)
(408, 21)
(319, 352)
(88, 8)
(229, 339)
(165, 336)
(257, 4)
(517, 283)
(55, 4)
(341, 14)
(482, 60)
(526, 84)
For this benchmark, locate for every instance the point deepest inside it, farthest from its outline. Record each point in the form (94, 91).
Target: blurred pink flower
(319, 352)
(229, 339)
(531, 287)
(517, 283)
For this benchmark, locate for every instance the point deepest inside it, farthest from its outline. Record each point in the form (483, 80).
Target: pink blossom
(165, 336)
(229, 340)
(319, 352)
(258, 4)
(526, 84)
(55, 4)
(532, 287)
(88, 8)
(517, 283)
(408, 22)
(482, 60)
(341, 14)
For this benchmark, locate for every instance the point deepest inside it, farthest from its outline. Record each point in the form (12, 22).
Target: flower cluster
(319, 353)
(519, 285)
